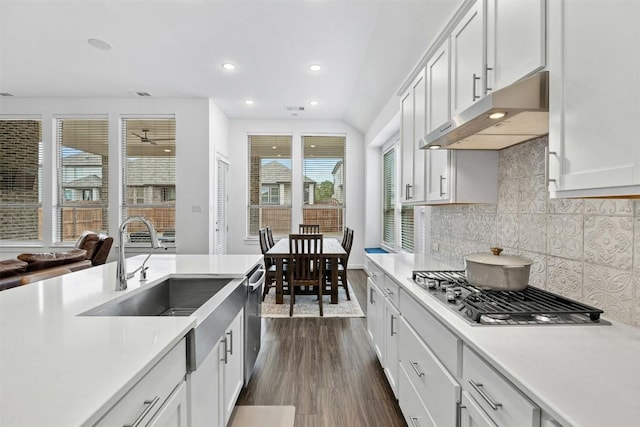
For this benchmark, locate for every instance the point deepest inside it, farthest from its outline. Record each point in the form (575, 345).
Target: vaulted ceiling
(175, 48)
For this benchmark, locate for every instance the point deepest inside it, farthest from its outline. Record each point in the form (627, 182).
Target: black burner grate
(528, 306)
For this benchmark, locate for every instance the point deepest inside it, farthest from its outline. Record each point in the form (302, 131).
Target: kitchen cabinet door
(471, 415)
(391, 344)
(593, 101)
(375, 318)
(438, 175)
(467, 59)
(412, 129)
(515, 41)
(174, 412)
(204, 389)
(438, 79)
(233, 369)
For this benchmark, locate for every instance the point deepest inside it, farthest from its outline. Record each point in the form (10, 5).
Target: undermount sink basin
(172, 297)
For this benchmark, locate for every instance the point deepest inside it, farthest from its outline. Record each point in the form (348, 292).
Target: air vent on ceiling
(294, 108)
(143, 93)
(5, 94)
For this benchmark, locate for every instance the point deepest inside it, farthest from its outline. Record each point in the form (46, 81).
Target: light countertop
(582, 375)
(61, 369)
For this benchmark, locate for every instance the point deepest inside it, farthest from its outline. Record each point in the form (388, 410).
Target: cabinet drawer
(499, 398)
(440, 340)
(436, 387)
(374, 272)
(151, 392)
(391, 290)
(411, 406)
(471, 415)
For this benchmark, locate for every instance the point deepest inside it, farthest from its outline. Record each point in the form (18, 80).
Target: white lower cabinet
(497, 397)
(411, 406)
(151, 400)
(436, 387)
(214, 387)
(375, 318)
(471, 415)
(174, 412)
(391, 344)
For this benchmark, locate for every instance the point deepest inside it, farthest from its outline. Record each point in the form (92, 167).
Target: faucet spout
(121, 284)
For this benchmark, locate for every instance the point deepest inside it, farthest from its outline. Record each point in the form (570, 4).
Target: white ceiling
(175, 48)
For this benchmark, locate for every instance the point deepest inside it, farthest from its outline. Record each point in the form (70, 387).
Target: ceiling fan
(145, 138)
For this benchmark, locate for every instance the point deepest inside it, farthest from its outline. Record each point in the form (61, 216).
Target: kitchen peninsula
(61, 369)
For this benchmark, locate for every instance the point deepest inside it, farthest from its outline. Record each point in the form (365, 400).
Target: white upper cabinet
(412, 129)
(438, 79)
(515, 41)
(594, 98)
(467, 59)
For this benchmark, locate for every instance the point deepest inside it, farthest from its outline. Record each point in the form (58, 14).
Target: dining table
(332, 251)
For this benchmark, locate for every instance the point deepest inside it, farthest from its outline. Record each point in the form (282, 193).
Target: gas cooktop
(530, 306)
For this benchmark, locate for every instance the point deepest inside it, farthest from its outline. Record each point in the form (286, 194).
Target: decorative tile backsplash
(587, 250)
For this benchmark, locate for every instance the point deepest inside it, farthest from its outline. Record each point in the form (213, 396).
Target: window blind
(389, 192)
(82, 165)
(406, 228)
(222, 200)
(270, 183)
(323, 182)
(149, 177)
(21, 180)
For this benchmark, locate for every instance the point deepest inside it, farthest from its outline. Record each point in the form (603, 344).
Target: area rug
(263, 416)
(307, 305)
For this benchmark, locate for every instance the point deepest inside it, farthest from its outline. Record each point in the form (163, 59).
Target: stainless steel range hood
(526, 108)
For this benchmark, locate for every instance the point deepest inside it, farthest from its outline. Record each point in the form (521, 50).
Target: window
(389, 200)
(149, 153)
(83, 162)
(270, 170)
(270, 194)
(397, 220)
(20, 180)
(323, 183)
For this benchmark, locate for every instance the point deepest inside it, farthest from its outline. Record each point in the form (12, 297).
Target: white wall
(201, 129)
(355, 177)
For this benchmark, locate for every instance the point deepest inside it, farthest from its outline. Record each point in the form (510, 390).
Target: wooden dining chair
(342, 263)
(309, 228)
(270, 236)
(269, 263)
(306, 265)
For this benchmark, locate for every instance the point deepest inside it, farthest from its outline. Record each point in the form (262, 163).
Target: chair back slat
(270, 236)
(306, 260)
(309, 228)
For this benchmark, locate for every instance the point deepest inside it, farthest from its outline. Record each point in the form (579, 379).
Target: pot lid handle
(496, 250)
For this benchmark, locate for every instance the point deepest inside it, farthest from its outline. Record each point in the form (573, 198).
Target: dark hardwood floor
(326, 368)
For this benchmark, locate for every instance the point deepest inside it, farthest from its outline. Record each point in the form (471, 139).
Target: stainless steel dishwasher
(253, 320)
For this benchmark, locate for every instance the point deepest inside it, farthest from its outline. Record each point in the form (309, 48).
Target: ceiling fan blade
(139, 136)
(164, 139)
(150, 141)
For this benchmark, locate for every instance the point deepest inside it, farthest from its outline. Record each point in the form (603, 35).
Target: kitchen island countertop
(61, 369)
(582, 375)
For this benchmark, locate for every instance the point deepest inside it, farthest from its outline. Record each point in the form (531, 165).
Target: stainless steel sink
(172, 297)
(213, 301)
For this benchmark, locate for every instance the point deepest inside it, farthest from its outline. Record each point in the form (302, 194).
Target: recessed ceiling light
(497, 115)
(314, 102)
(434, 147)
(249, 101)
(312, 146)
(99, 44)
(315, 67)
(166, 150)
(274, 147)
(228, 66)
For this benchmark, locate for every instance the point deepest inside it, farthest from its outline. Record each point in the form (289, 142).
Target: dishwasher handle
(257, 278)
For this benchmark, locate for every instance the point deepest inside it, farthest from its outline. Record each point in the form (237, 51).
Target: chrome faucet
(123, 276)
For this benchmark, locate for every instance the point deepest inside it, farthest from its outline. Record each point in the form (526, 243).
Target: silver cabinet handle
(414, 421)
(407, 190)
(388, 291)
(226, 349)
(475, 79)
(230, 333)
(371, 296)
(148, 405)
(477, 387)
(414, 365)
(486, 76)
(442, 178)
(392, 331)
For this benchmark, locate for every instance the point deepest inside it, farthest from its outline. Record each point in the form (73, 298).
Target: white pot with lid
(498, 272)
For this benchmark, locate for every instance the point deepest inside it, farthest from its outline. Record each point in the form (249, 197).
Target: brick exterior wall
(19, 179)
